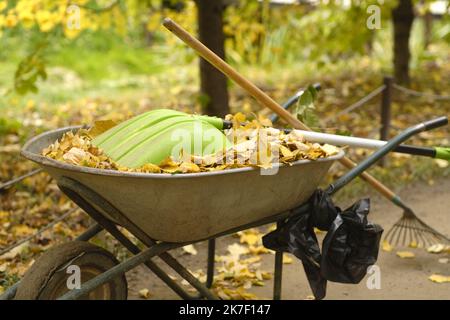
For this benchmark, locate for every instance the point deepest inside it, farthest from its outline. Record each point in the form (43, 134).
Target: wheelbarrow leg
(210, 265)
(278, 273)
(90, 233)
(84, 196)
(112, 229)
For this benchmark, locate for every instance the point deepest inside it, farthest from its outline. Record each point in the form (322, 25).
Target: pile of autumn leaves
(255, 144)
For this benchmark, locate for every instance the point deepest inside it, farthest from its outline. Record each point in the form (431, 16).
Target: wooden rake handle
(259, 95)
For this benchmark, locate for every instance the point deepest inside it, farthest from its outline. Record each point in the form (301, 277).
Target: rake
(410, 230)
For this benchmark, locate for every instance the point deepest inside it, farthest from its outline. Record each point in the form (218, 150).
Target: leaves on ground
(144, 293)
(439, 278)
(190, 249)
(438, 248)
(287, 259)
(405, 254)
(386, 246)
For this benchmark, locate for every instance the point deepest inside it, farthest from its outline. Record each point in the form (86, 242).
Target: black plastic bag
(349, 248)
(351, 245)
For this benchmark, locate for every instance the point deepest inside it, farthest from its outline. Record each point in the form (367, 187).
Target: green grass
(98, 56)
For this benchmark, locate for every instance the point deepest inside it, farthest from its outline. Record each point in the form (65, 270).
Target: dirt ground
(400, 278)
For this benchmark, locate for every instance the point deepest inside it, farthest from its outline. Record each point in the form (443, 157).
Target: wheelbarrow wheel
(64, 267)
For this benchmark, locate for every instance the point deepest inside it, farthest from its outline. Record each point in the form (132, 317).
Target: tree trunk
(403, 17)
(428, 28)
(213, 84)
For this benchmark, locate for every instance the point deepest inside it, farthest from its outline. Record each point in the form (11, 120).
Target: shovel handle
(229, 71)
(260, 96)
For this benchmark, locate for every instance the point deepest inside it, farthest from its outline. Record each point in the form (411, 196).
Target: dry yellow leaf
(250, 237)
(439, 278)
(286, 152)
(441, 163)
(437, 248)
(150, 168)
(287, 259)
(318, 231)
(15, 252)
(100, 127)
(236, 250)
(386, 246)
(190, 249)
(144, 293)
(251, 260)
(254, 145)
(405, 254)
(329, 149)
(239, 118)
(22, 230)
(258, 250)
(413, 244)
(190, 167)
(4, 214)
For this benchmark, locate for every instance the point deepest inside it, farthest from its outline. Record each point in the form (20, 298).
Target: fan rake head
(410, 230)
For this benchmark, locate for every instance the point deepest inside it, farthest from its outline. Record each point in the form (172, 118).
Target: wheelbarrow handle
(435, 123)
(388, 147)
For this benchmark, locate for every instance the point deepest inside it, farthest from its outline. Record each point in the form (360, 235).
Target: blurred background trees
(266, 34)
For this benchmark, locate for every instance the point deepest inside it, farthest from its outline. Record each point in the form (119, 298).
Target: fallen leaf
(172, 277)
(100, 127)
(22, 230)
(287, 259)
(441, 163)
(439, 278)
(413, 244)
(190, 249)
(190, 167)
(386, 246)
(236, 250)
(74, 155)
(443, 260)
(318, 231)
(250, 237)
(329, 149)
(405, 254)
(436, 248)
(12, 148)
(259, 250)
(144, 293)
(15, 252)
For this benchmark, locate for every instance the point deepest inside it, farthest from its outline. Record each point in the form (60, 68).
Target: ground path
(400, 278)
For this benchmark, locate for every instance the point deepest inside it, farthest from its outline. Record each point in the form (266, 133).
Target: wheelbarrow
(167, 212)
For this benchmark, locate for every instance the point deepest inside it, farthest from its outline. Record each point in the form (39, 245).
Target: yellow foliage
(72, 16)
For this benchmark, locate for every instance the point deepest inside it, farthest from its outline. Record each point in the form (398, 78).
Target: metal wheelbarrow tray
(188, 207)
